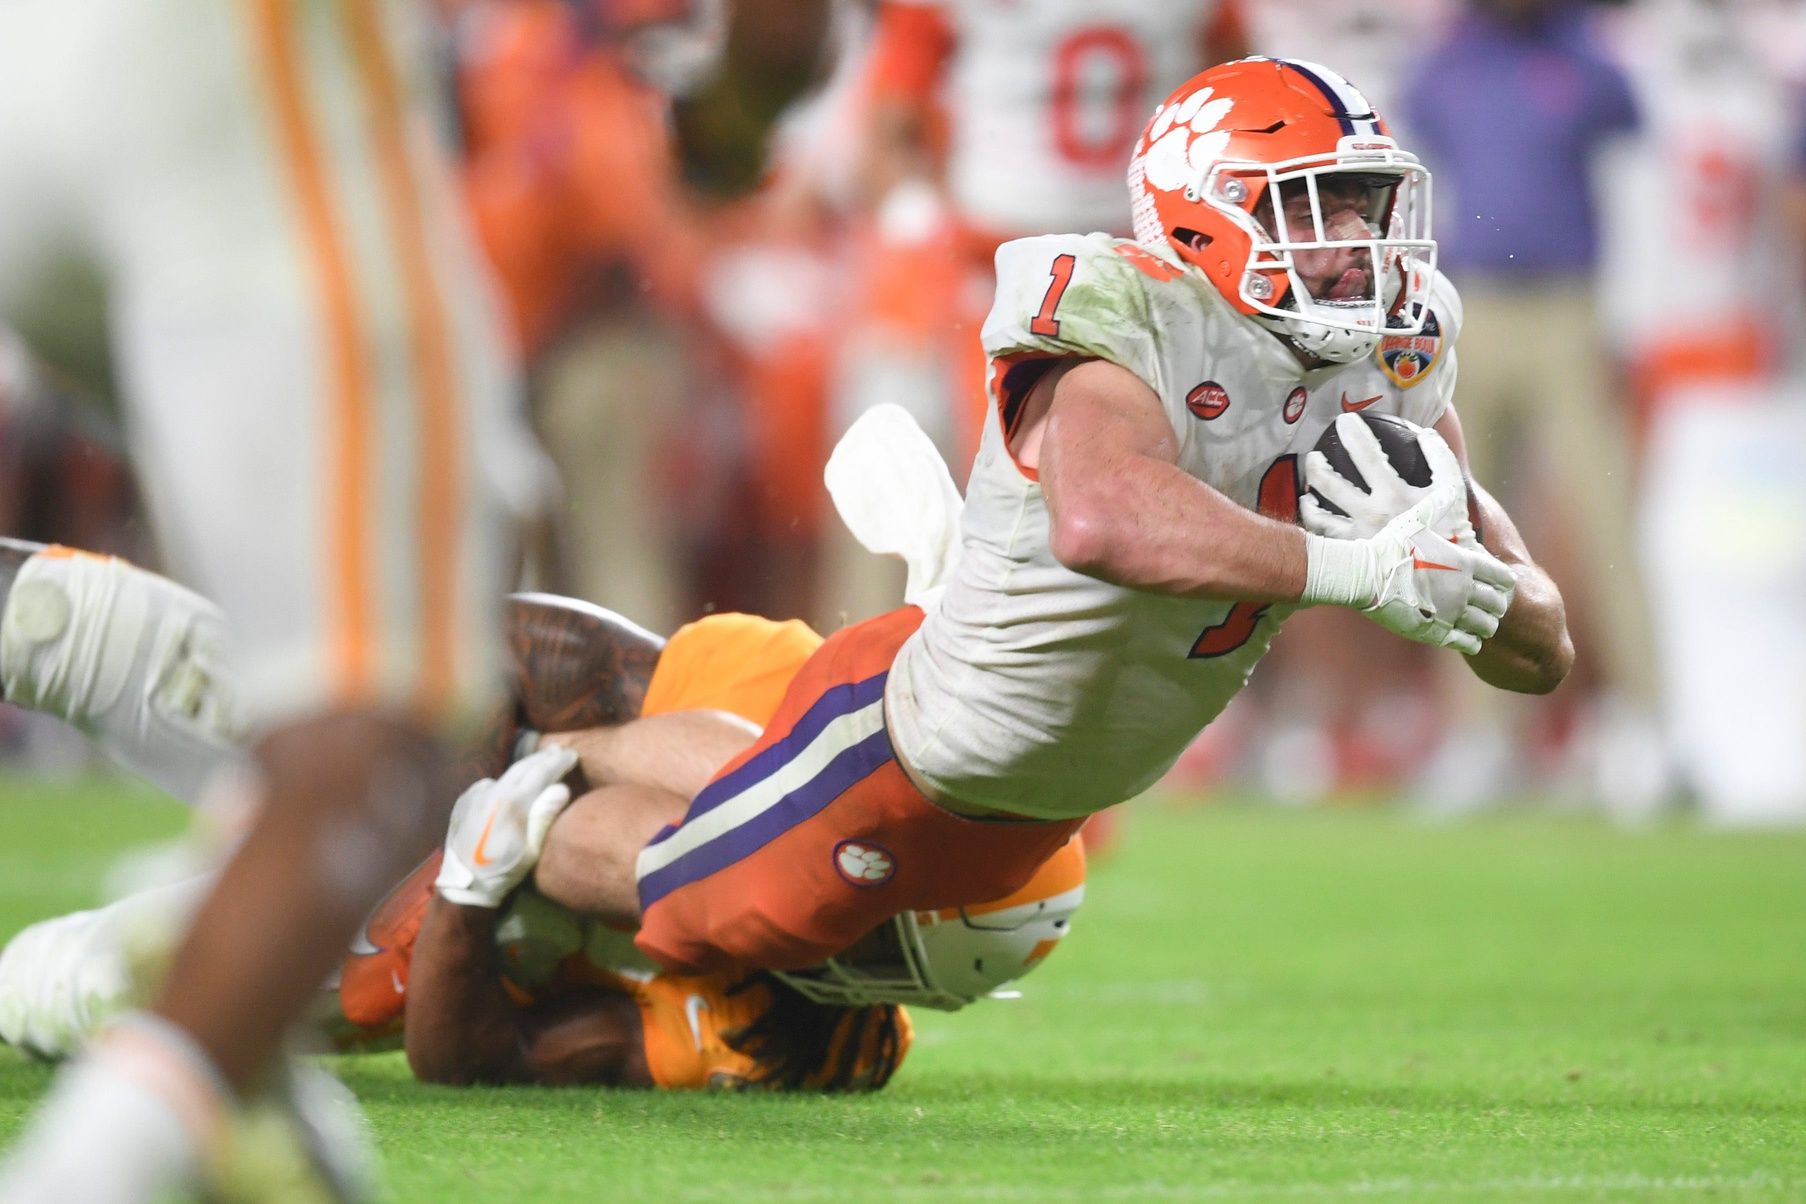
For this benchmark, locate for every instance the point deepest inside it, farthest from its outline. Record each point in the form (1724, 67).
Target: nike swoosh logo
(1418, 562)
(476, 854)
(401, 988)
(1354, 407)
(693, 1009)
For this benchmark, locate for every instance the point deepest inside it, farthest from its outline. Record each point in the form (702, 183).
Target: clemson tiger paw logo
(1184, 139)
(863, 863)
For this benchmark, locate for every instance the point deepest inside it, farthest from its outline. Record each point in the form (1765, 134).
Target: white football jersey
(1716, 257)
(1045, 99)
(1041, 691)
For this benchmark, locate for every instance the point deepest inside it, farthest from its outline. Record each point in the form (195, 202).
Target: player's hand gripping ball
(1399, 488)
(499, 826)
(1430, 588)
(1368, 469)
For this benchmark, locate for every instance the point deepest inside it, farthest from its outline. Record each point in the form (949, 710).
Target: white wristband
(1338, 572)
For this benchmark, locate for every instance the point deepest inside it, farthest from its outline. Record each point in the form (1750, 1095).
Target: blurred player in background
(1124, 557)
(571, 180)
(1704, 324)
(1007, 121)
(1519, 110)
(1021, 114)
(234, 213)
(604, 156)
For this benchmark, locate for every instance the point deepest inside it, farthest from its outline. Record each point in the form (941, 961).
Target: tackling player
(498, 985)
(503, 987)
(1129, 547)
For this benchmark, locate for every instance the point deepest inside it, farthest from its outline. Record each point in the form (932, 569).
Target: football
(1397, 437)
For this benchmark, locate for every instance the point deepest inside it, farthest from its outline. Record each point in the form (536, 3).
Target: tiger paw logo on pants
(863, 863)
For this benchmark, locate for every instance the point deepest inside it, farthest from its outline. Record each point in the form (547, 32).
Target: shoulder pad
(1090, 295)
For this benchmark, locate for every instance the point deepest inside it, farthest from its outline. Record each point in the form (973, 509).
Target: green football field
(1254, 1004)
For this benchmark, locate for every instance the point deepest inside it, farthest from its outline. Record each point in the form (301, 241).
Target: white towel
(894, 493)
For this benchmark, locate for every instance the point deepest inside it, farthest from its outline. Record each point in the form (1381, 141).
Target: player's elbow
(1082, 537)
(1533, 652)
(1526, 670)
(1550, 660)
(1551, 669)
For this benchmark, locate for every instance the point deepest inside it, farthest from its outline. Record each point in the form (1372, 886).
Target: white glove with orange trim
(1412, 580)
(498, 828)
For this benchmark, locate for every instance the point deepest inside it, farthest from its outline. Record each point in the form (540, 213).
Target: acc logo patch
(1207, 401)
(863, 863)
(1408, 358)
(1294, 407)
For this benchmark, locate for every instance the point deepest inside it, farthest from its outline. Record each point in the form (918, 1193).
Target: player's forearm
(461, 1025)
(1531, 652)
(1149, 525)
(1122, 510)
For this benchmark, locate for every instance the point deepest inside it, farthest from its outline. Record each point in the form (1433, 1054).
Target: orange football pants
(814, 836)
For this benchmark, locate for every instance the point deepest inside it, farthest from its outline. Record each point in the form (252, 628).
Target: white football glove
(1388, 495)
(1412, 580)
(498, 828)
(1433, 589)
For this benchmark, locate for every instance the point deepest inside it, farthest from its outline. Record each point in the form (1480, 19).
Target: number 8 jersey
(1040, 691)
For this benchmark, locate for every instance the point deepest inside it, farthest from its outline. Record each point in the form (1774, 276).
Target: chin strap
(1322, 342)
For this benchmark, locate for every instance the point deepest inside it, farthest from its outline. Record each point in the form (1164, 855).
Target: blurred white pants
(1724, 543)
(233, 211)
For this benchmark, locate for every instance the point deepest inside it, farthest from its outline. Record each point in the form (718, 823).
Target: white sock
(126, 1124)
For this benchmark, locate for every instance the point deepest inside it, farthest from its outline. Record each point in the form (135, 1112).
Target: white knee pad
(130, 658)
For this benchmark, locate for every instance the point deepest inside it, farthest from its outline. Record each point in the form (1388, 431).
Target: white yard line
(1354, 1188)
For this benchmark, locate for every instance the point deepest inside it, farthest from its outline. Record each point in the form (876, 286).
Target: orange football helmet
(1231, 172)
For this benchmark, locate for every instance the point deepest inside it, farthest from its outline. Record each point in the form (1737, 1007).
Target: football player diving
(1129, 544)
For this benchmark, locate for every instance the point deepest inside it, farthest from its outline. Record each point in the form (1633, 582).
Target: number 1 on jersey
(1044, 323)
